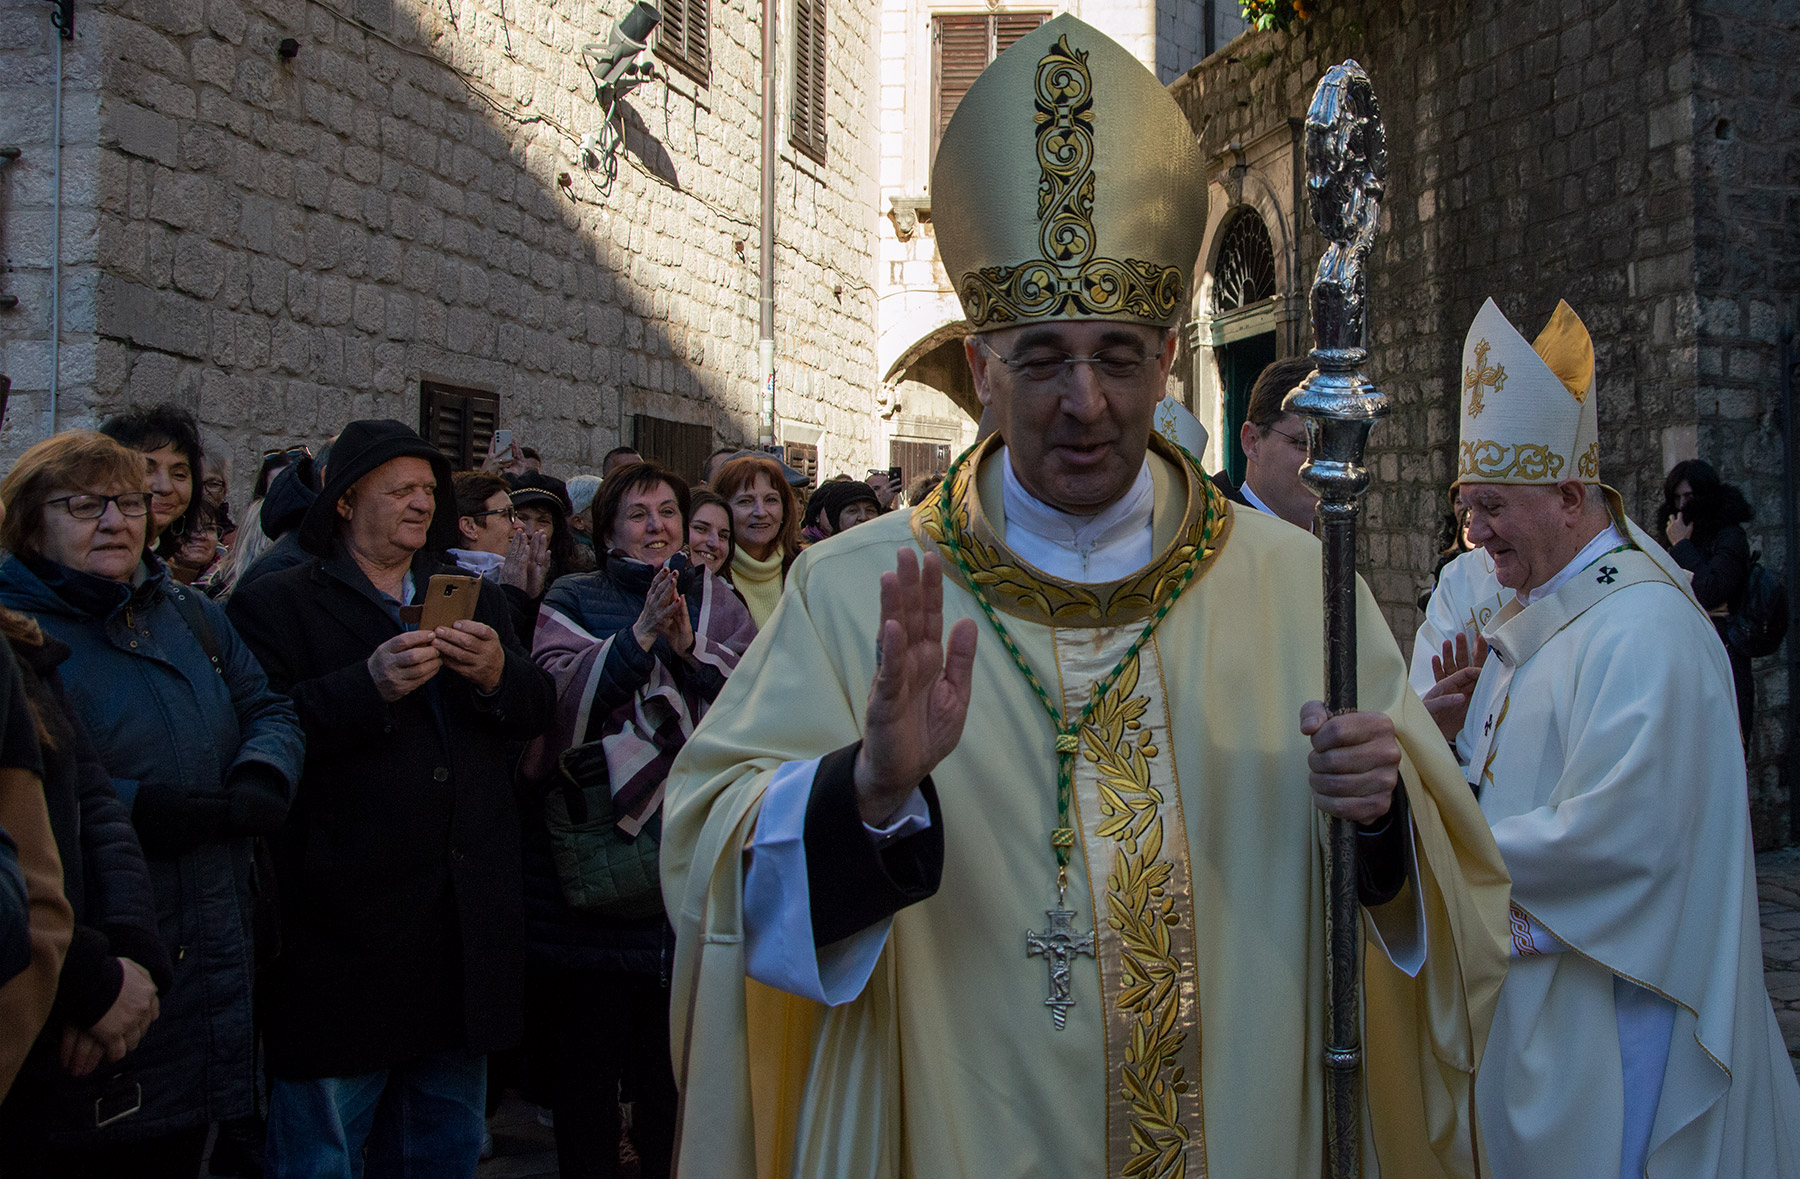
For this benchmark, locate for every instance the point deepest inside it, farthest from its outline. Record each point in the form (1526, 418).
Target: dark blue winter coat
(205, 757)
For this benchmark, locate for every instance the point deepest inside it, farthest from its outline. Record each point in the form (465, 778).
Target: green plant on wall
(1274, 14)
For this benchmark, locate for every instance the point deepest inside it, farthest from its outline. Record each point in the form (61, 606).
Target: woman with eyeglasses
(201, 752)
(494, 546)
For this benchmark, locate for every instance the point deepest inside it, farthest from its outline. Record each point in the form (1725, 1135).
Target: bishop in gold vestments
(942, 1010)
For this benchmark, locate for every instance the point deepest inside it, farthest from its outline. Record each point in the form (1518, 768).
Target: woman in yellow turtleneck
(766, 519)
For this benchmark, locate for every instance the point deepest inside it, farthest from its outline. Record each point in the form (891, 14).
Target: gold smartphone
(449, 599)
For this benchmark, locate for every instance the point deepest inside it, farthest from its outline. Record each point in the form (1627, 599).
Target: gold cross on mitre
(1482, 374)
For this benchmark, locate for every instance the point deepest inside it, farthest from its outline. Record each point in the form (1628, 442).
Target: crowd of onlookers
(323, 824)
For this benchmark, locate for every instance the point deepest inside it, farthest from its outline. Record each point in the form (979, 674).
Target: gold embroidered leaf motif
(1137, 907)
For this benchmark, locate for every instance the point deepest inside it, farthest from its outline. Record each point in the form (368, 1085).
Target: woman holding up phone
(639, 649)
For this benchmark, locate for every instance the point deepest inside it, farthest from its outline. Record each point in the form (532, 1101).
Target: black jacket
(402, 924)
(1719, 559)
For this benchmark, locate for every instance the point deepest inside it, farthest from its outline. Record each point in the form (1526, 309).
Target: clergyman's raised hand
(920, 695)
(1455, 671)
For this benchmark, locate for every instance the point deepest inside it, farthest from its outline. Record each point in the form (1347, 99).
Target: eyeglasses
(1300, 441)
(509, 513)
(92, 507)
(1114, 364)
(212, 485)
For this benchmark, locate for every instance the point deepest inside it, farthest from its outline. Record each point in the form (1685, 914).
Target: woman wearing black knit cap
(1703, 519)
(837, 505)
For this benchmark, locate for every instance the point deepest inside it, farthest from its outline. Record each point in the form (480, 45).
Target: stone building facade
(929, 51)
(289, 213)
(1635, 157)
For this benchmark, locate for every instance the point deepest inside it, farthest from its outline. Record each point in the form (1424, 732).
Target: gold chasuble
(1192, 1035)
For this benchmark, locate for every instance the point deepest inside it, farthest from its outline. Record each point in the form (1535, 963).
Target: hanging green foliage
(1274, 14)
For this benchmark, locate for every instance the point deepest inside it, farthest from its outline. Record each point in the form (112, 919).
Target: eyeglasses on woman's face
(92, 507)
(508, 513)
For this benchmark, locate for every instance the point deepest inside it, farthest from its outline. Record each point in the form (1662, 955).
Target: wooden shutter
(962, 46)
(918, 458)
(684, 38)
(804, 458)
(679, 446)
(459, 422)
(808, 115)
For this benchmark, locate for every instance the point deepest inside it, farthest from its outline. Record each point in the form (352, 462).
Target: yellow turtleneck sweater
(759, 582)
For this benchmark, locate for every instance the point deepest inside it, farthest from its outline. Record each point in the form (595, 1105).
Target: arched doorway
(1244, 286)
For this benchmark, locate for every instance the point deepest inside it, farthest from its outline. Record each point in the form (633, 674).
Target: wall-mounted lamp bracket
(64, 18)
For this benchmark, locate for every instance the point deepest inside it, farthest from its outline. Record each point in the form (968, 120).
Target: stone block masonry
(283, 245)
(1631, 156)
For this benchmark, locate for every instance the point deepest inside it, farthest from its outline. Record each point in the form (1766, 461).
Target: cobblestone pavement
(1778, 882)
(524, 1150)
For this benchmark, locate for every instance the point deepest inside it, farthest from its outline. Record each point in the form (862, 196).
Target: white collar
(1256, 501)
(1608, 539)
(476, 561)
(1106, 546)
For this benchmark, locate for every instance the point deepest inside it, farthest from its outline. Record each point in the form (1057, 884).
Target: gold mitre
(1528, 410)
(1068, 186)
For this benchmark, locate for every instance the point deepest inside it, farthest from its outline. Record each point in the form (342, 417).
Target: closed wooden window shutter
(804, 458)
(679, 446)
(918, 458)
(684, 40)
(459, 422)
(808, 115)
(962, 46)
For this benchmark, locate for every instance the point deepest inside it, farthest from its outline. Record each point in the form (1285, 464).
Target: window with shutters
(679, 446)
(962, 45)
(459, 422)
(915, 458)
(806, 120)
(804, 458)
(683, 38)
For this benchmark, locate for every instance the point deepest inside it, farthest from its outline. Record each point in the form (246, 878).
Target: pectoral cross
(1482, 374)
(1058, 946)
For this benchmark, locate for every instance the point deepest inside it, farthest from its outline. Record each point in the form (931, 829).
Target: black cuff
(144, 947)
(256, 796)
(1381, 854)
(91, 979)
(852, 883)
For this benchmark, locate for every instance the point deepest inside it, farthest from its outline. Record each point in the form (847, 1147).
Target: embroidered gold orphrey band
(1068, 279)
(1130, 820)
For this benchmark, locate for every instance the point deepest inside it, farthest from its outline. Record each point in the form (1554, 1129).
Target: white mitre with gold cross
(1528, 410)
(1176, 423)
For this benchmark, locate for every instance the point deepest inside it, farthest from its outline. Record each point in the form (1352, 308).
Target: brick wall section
(1552, 149)
(287, 246)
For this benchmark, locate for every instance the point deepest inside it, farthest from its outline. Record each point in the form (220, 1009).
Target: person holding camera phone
(402, 954)
(639, 650)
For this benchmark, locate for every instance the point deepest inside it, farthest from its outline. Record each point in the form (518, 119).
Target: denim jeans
(420, 1120)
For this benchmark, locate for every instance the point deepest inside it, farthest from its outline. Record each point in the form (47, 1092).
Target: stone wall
(287, 245)
(1547, 149)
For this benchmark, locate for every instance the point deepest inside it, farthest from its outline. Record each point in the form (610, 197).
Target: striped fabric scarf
(641, 737)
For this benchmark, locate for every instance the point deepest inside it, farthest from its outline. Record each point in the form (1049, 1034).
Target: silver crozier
(1346, 160)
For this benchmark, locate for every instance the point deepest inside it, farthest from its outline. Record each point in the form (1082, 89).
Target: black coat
(402, 924)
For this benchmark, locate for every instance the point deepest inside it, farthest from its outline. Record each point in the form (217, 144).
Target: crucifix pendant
(1058, 945)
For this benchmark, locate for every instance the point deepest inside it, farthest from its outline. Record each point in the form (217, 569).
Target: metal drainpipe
(765, 344)
(1790, 526)
(56, 233)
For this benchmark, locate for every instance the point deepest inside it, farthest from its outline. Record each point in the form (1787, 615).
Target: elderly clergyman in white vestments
(1634, 1035)
(1081, 933)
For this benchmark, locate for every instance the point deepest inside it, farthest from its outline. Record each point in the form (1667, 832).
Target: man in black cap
(401, 961)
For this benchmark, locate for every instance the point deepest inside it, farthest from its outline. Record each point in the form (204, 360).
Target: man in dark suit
(1274, 443)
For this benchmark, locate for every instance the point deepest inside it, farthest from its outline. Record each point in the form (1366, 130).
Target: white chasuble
(1634, 1020)
(1193, 1045)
